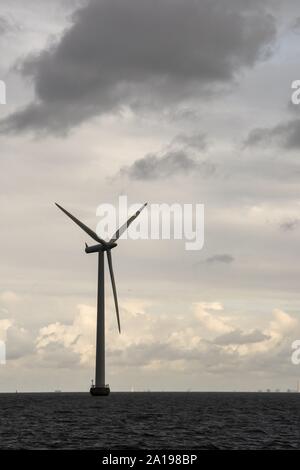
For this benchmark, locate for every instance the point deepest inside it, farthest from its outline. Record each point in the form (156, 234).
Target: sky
(165, 101)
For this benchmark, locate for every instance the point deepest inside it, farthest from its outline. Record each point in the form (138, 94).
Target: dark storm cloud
(286, 135)
(226, 259)
(123, 51)
(171, 163)
(238, 337)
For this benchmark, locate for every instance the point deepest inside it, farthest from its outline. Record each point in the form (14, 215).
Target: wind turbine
(100, 388)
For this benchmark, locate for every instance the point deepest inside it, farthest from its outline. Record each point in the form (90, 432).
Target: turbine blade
(126, 225)
(84, 227)
(112, 277)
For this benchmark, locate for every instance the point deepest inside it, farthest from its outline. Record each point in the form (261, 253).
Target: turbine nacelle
(99, 247)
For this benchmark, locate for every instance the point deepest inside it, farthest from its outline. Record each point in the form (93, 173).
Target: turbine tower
(100, 388)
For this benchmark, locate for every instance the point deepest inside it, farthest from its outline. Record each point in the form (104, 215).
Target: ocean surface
(150, 421)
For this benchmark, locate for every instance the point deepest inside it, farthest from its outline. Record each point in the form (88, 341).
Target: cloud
(196, 347)
(171, 163)
(180, 156)
(214, 323)
(155, 345)
(238, 337)
(296, 25)
(131, 52)
(7, 25)
(224, 258)
(58, 356)
(19, 343)
(76, 339)
(5, 324)
(193, 141)
(205, 339)
(4, 25)
(283, 323)
(286, 135)
(9, 297)
(290, 225)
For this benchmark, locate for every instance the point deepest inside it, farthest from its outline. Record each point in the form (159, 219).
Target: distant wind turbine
(100, 388)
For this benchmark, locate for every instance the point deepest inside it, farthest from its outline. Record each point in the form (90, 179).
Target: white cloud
(212, 322)
(4, 325)
(204, 339)
(152, 342)
(77, 338)
(9, 297)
